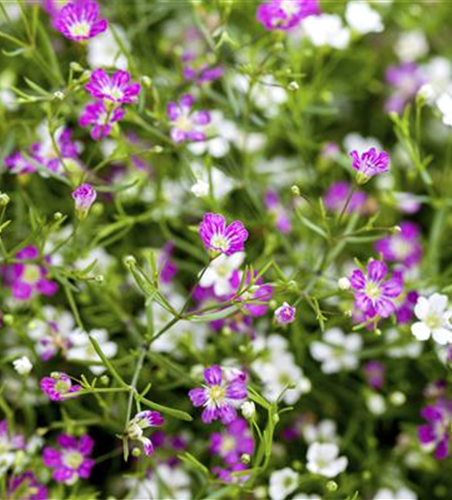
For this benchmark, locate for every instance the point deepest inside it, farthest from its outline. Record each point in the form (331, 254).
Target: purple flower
(185, 124)
(218, 395)
(404, 312)
(18, 164)
(337, 195)
(168, 268)
(278, 212)
(369, 163)
(285, 314)
(27, 486)
(375, 371)
(232, 443)
(403, 247)
(9, 441)
(373, 295)
(218, 237)
(285, 14)
(255, 298)
(196, 70)
(71, 460)
(28, 279)
(436, 432)
(141, 421)
(80, 20)
(96, 114)
(59, 386)
(406, 78)
(227, 474)
(84, 196)
(115, 88)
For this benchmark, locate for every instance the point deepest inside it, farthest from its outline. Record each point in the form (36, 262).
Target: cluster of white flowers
(278, 370)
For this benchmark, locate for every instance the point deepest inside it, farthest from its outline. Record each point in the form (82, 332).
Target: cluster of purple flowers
(111, 92)
(286, 14)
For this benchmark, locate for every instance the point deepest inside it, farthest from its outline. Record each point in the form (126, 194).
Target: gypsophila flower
(96, 114)
(80, 21)
(70, 461)
(116, 88)
(285, 14)
(434, 316)
(323, 459)
(84, 196)
(403, 246)
(23, 365)
(218, 395)
(362, 18)
(285, 314)
(218, 237)
(187, 125)
(144, 420)
(373, 295)
(282, 483)
(27, 486)
(369, 163)
(248, 409)
(220, 272)
(233, 442)
(436, 432)
(59, 387)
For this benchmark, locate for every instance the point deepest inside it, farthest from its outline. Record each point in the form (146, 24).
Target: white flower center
(219, 241)
(400, 247)
(372, 290)
(81, 28)
(217, 394)
(31, 274)
(433, 321)
(289, 7)
(184, 123)
(116, 93)
(72, 459)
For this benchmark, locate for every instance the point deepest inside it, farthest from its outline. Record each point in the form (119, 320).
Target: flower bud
(58, 95)
(4, 199)
(84, 196)
(146, 81)
(130, 261)
(295, 190)
(331, 486)
(23, 365)
(293, 86)
(248, 410)
(344, 283)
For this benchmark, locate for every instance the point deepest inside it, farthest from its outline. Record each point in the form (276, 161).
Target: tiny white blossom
(376, 404)
(23, 365)
(323, 459)
(344, 283)
(400, 494)
(220, 272)
(248, 409)
(326, 30)
(444, 103)
(434, 317)
(282, 483)
(337, 351)
(200, 189)
(82, 348)
(411, 45)
(362, 18)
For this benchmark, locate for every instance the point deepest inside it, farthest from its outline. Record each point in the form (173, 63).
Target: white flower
(444, 103)
(344, 283)
(338, 351)
(437, 72)
(82, 349)
(282, 483)
(411, 45)
(362, 18)
(434, 319)
(22, 365)
(248, 409)
(219, 273)
(361, 144)
(267, 94)
(376, 404)
(303, 496)
(323, 459)
(326, 30)
(391, 494)
(324, 432)
(200, 189)
(104, 50)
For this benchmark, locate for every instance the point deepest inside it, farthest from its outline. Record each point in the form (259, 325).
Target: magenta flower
(218, 395)
(255, 298)
(27, 486)
(285, 314)
(141, 421)
(369, 163)
(227, 475)
(168, 267)
(115, 88)
(373, 295)
(406, 79)
(186, 126)
(404, 312)
(337, 195)
(233, 442)
(70, 460)
(80, 20)
(285, 14)
(84, 196)
(59, 386)
(96, 114)
(196, 70)
(29, 279)
(403, 247)
(9, 441)
(18, 164)
(375, 374)
(277, 211)
(436, 431)
(218, 237)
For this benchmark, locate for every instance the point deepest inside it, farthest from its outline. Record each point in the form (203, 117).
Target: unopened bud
(130, 261)
(99, 279)
(58, 95)
(344, 283)
(295, 190)
(248, 410)
(146, 81)
(293, 86)
(75, 66)
(4, 199)
(57, 216)
(331, 486)
(245, 458)
(136, 452)
(396, 230)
